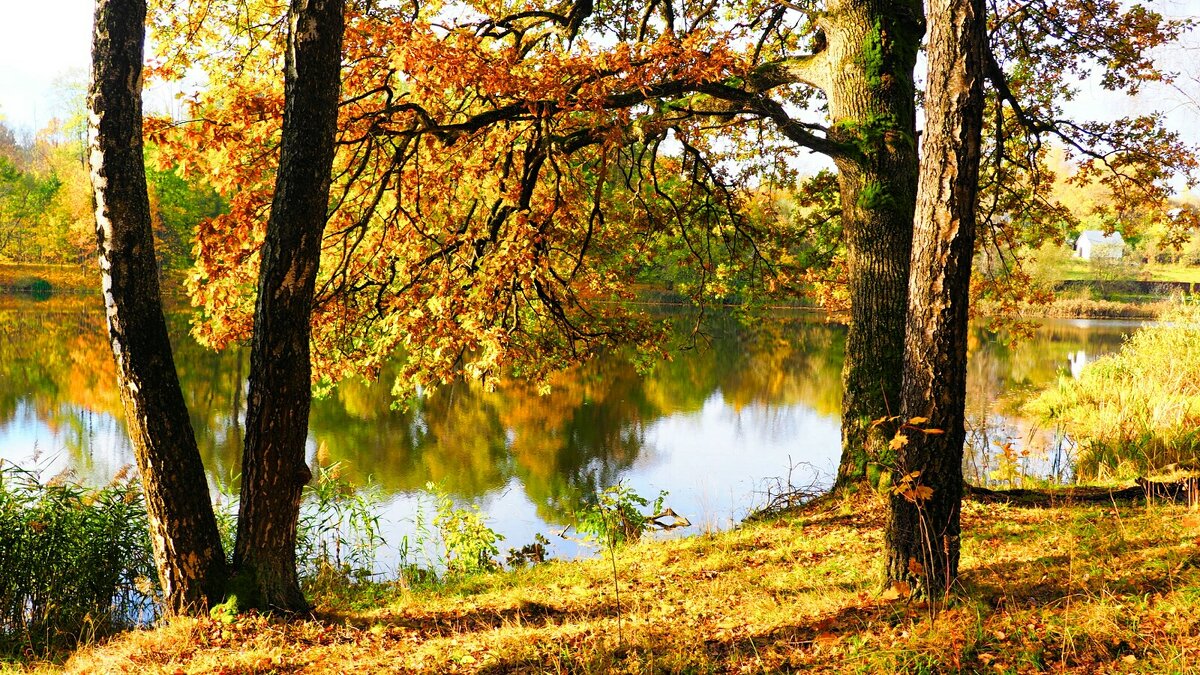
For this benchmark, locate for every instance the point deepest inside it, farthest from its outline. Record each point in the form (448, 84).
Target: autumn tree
(500, 177)
(187, 546)
(1131, 156)
(188, 549)
(483, 163)
(1038, 55)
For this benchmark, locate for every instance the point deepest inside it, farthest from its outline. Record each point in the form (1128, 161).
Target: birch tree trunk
(187, 546)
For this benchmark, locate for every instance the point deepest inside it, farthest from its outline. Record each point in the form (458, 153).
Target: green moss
(873, 57)
(241, 594)
(889, 50)
(873, 134)
(875, 196)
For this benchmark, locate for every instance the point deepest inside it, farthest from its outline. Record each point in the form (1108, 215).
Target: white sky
(40, 41)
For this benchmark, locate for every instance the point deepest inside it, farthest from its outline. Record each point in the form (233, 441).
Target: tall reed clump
(339, 528)
(75, 562)
(1137, 410)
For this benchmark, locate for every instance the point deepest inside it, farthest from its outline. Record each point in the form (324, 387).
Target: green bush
(74, 562)
(616, 517)
(470, 546)
(39, 288)
(1137, 410)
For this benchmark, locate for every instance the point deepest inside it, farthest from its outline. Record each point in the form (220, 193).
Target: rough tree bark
(274, 471)
(872, 49)
(187, 545)
(923, 532)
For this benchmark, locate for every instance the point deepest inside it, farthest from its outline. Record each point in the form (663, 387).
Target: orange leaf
(898, 589)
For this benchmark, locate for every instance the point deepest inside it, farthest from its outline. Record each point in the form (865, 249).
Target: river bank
(1084, 589)
(1075, 301)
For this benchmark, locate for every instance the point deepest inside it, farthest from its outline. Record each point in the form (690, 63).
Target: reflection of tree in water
(588, 430)
(586, 433)
(577, 439)
(1002, 374)
(57, 371)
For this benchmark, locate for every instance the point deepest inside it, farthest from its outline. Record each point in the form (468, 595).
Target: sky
(43, 41)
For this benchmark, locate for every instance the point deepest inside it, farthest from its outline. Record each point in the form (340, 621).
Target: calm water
(712, 426)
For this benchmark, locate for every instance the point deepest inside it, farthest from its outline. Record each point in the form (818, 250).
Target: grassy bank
(44, 279)
(1072, 588)
(1135, 411)
(40, 280)
(1087, 308)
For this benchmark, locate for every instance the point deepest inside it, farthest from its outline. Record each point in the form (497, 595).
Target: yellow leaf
(918, 420)
(933, 431)
(923, 492)
(899, 441)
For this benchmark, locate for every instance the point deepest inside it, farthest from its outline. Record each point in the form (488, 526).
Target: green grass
(1069, 268)
(1067, 589)
(1137, 410)
(1184, 273)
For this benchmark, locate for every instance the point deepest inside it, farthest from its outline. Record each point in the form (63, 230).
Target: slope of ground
(1070, 588)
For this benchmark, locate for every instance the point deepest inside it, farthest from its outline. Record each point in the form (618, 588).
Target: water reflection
(594, 425)
(749, 401)
(1003, 448)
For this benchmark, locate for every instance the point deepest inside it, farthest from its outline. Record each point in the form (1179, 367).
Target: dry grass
(1086, 308)
(1066, 589)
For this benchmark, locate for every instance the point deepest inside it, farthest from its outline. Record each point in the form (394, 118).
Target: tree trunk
(873, 50)
(274, 471)
(187, 546)
(923, 531)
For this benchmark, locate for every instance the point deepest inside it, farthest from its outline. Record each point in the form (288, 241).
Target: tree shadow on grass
(429, 624)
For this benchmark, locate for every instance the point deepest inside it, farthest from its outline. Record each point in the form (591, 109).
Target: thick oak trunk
(274, 471)
(873, 50)
(923, 533)
(187, 546)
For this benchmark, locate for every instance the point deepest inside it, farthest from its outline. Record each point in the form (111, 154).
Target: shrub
(74, 562)
(470, 545)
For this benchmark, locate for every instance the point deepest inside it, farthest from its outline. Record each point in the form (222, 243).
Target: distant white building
(1094, 244)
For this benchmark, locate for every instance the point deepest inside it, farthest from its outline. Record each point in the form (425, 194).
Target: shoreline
(1076, 588)
(29, 283)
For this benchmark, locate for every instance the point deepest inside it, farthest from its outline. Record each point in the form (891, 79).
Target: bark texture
(923, 534)
(274, 471)
(872, 52)
(187, 546)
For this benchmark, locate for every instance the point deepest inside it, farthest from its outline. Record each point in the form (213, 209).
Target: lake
(751, 404)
